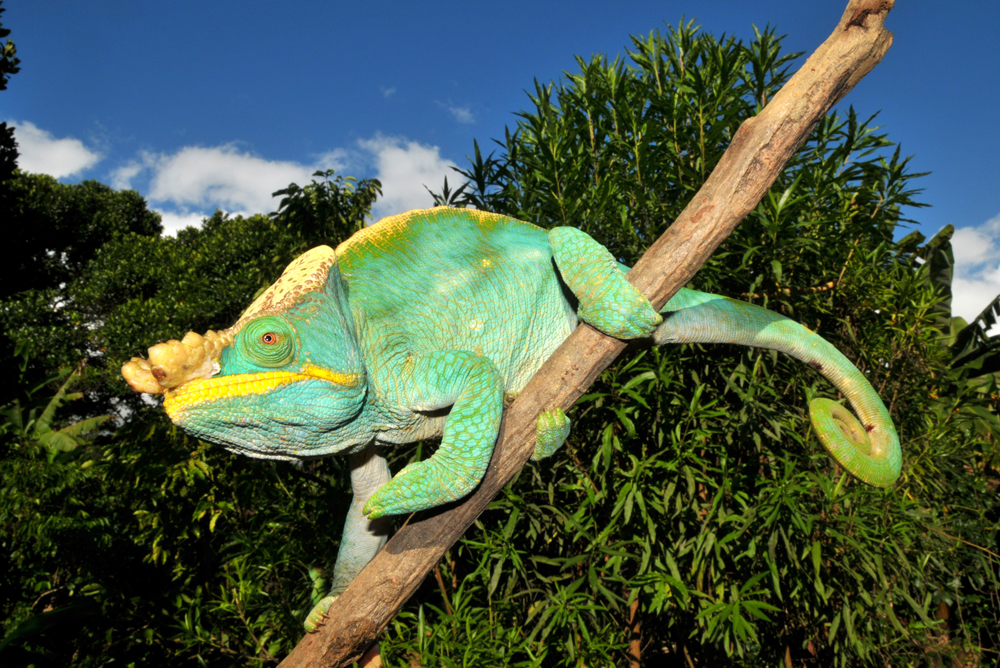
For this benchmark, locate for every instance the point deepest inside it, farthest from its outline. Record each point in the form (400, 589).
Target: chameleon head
(279, 384)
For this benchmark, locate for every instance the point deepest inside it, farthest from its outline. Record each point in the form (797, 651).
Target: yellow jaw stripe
(202, 390)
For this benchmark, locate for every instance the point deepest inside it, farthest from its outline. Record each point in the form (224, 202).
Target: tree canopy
(9, 64)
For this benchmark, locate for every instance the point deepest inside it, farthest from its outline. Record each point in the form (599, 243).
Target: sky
(204, 105)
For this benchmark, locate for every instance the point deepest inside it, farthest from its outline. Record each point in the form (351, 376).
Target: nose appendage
(173, 363)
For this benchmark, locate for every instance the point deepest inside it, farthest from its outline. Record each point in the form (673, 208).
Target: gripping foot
(317, 615)
(607, 300)
(551, 431)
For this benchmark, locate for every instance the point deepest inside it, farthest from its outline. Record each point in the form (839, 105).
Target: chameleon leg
(868, 449)
(362, 537)
(551, 431)
(607, 300)
(472, 386)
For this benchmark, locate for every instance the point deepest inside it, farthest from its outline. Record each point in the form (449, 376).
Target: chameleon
(423, 325)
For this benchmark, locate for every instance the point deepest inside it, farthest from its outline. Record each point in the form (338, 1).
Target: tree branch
(758, 152)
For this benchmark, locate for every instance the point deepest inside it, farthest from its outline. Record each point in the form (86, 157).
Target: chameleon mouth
(204, 390)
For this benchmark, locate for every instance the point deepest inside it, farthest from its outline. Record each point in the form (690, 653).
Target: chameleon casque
(420, 326)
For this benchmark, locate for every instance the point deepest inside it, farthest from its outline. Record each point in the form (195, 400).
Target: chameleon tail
(869, 449)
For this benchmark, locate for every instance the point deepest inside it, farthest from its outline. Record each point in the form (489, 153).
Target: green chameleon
(421, 326)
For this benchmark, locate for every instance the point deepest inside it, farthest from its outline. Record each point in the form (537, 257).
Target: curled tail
(869, 449)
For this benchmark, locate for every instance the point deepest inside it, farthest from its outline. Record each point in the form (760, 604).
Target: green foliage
(9, 62)
(692, 483)
(154, 548)
(326, 211)
(147, 546)
(56, 229)
(30, 423)
(692, 517)
(53, 231)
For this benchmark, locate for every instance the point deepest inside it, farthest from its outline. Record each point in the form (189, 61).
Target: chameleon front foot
(422, 485)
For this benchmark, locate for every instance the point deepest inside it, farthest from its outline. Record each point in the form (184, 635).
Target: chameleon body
(420, 326)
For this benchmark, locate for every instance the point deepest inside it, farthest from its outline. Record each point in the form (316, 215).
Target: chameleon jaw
(204, 390)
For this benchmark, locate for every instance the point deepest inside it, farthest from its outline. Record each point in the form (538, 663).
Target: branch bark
(756, 156)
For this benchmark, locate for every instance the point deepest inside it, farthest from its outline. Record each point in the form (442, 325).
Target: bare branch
(756, 156)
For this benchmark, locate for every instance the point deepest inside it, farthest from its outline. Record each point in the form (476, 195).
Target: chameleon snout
(173, 363)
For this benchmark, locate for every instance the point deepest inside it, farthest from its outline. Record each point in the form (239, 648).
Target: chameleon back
(454, 279)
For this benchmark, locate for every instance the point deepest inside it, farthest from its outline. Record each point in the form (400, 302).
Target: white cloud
(404, 167)
(223, 177)
(388, 92)
(195, 179)
(121, 178)
(42, 153)
(974, 245)
(175, 222)
(462, 114)
(977, 268)
(338, 160)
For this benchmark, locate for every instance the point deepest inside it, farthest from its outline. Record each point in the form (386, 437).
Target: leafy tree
(693, 514)
(55, 228)
(9, 64)
(53, 231)
(146, 545)
(325, 211)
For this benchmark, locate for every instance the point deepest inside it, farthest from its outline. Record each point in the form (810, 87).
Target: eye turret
(268, 341)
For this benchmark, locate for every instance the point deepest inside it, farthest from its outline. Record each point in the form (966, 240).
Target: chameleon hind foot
(551, 431)
(317, 615)
(607, 300)
(372, 658)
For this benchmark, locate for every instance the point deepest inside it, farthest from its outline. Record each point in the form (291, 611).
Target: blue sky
(205, 105)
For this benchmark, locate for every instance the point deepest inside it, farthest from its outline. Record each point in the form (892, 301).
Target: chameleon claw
(419, 486)
(318, 614)
(378, 505)
(373, 512)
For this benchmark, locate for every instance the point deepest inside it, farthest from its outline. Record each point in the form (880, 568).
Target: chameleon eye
(268, 341)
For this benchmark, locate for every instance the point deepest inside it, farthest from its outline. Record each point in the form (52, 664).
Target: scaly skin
(420, 326)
